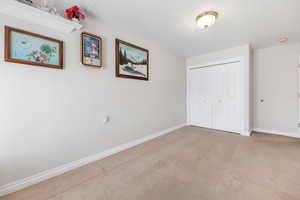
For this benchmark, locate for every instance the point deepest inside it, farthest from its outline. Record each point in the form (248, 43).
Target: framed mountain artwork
(32, 49)
(91, 50)
(131, 61)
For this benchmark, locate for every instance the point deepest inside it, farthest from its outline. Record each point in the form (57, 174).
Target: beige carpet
(189, 164)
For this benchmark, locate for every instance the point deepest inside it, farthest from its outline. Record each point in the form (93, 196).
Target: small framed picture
(32, 49)
(131, 61)
(91, 50)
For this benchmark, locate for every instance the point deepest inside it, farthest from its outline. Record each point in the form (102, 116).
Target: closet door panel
(219, 109)
(234, 97)
(227, 109)
(202, 93)
(216, 97)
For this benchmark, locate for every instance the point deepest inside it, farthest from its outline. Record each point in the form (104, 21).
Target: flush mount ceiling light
(283, 40)
(206, 19)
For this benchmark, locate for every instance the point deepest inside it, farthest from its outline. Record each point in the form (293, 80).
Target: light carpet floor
(188, 164)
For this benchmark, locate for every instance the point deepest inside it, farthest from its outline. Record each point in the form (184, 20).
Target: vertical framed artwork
(131, 61)
(33, 49)
(91, 50)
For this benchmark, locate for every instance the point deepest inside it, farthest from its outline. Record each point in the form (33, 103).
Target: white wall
(241, 51)
(50, 117)
(276, 82)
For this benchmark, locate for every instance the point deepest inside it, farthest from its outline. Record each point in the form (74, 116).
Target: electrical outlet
(106, 119)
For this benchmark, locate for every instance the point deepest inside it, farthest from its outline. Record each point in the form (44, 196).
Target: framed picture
(131, 61)
(32, 49)
(91, 50)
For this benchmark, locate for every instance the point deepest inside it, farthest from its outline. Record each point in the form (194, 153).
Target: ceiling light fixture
(283, 40)
(206, 19)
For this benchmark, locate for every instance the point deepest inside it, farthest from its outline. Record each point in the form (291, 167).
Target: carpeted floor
(188, 164)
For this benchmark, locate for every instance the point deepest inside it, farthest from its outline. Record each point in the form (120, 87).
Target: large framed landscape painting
(33, 49)
(91, 50)
(131, 61)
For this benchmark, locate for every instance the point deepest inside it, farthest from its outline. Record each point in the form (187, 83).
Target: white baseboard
(42, 176)
(277, 132)
(246, 133)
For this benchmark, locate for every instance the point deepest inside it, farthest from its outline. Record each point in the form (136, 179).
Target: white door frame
(245, 96)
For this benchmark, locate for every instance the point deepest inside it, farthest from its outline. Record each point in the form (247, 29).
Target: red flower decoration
(68, 10)
(70, 15)
(75, 9)
(75, 12)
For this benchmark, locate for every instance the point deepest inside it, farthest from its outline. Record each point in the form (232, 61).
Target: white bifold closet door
(215, 95)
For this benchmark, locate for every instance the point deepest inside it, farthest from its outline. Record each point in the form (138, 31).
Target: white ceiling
(172, 22)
